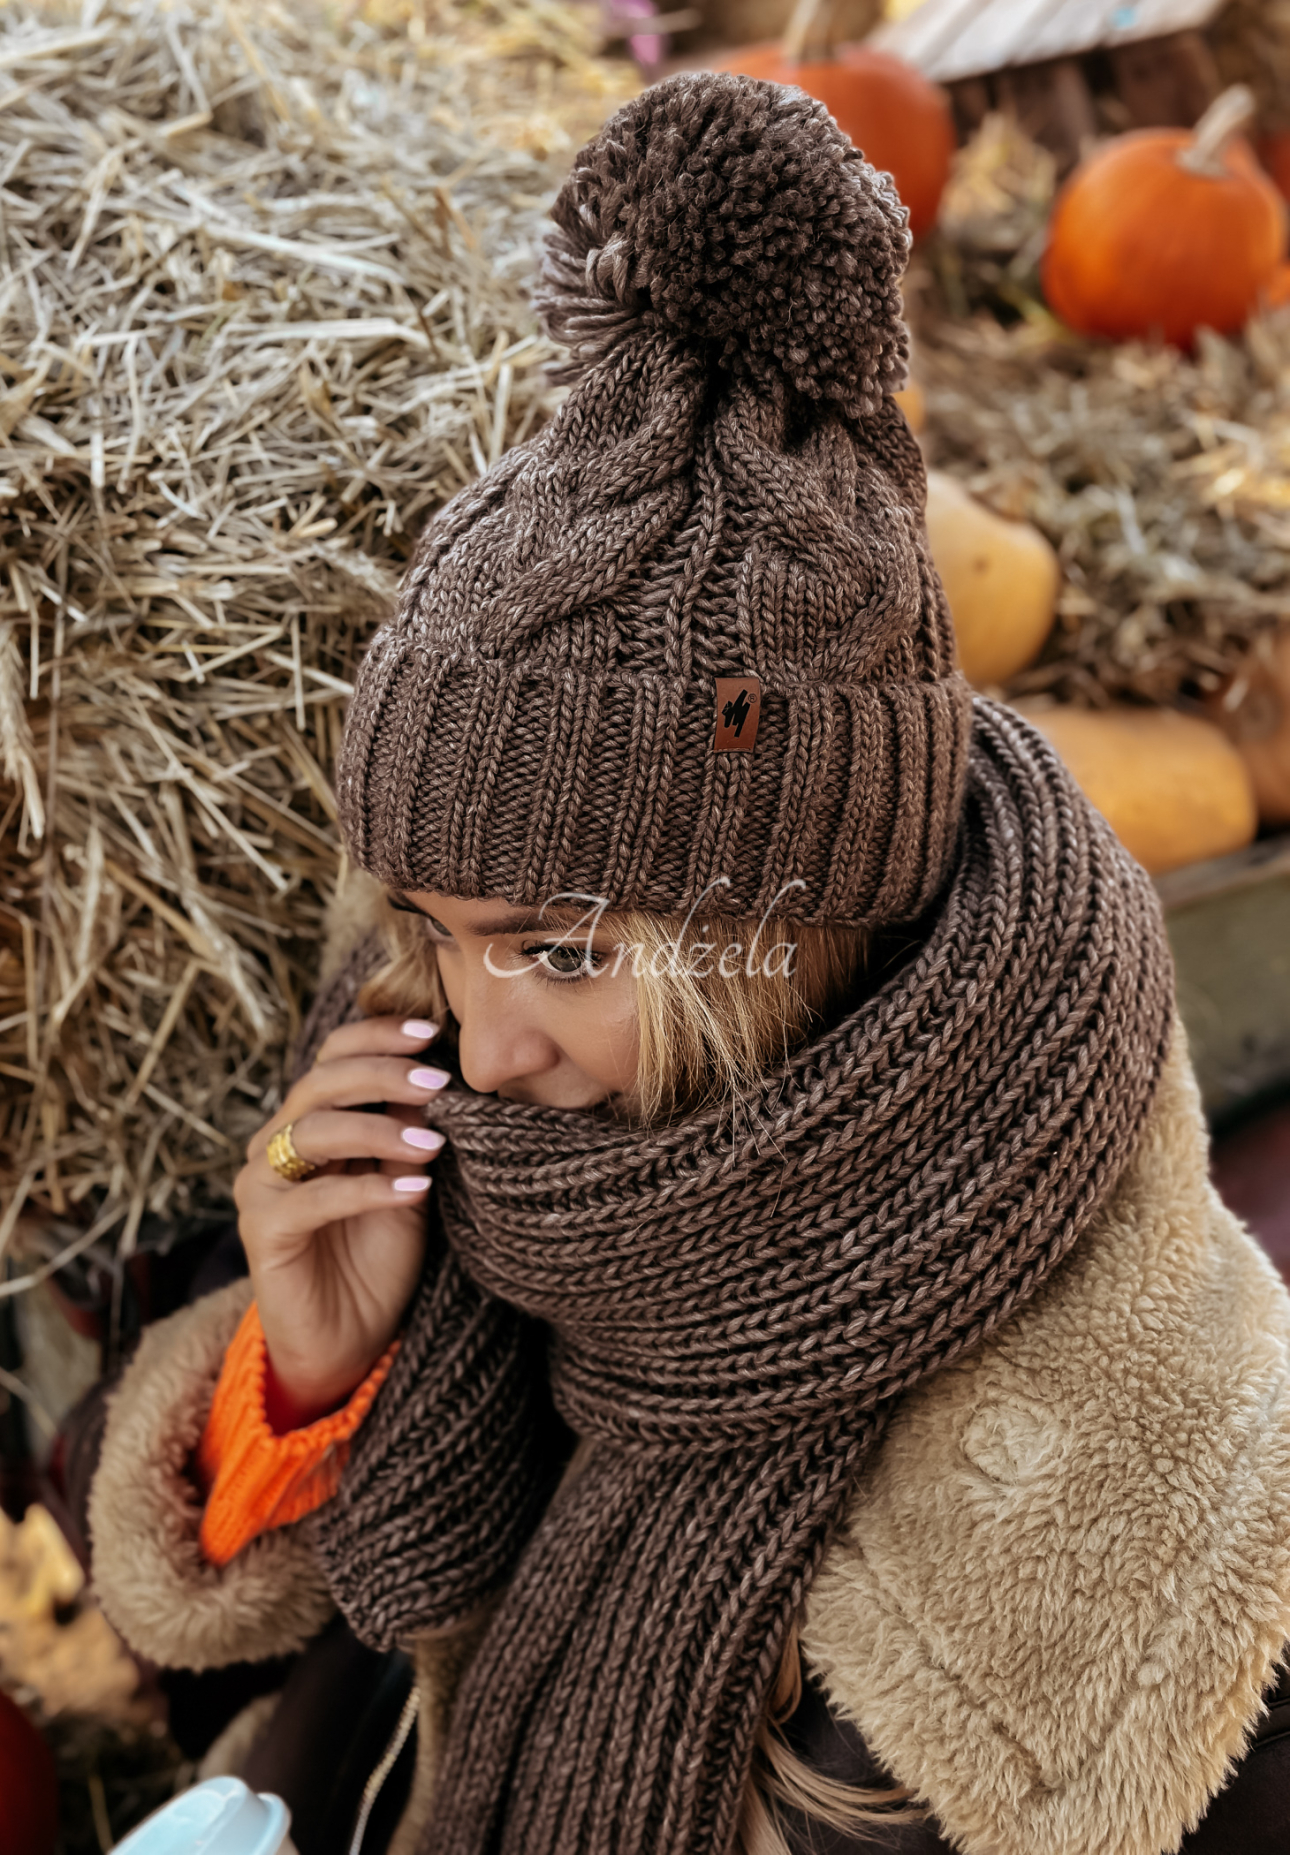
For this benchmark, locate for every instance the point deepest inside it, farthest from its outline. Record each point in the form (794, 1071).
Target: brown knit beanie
(687, 645)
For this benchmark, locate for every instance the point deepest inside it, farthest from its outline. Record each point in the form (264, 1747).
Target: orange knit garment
(255, 1480)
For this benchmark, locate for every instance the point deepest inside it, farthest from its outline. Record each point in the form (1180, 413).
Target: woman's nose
(498, 1040)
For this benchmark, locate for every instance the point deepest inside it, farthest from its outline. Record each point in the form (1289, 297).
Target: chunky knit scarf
(728, 1308)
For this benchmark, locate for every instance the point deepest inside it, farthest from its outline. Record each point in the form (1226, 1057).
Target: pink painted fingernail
(411, 1185)
(424, 1137)
(429, 1078)
(420, 1028)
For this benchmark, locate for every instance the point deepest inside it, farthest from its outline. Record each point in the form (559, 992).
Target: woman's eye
(565, 961)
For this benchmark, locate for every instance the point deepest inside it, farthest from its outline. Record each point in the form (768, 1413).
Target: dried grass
(1251, 43)
(261, 309)
(528, 71)
(1160, 478)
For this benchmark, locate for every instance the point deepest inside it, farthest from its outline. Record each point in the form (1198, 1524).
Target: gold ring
(282, 1156)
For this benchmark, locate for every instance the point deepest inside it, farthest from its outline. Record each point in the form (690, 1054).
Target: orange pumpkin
(1277, 293)
(1167, 230)
(897, 119)
(913, 403)
(28, 1786)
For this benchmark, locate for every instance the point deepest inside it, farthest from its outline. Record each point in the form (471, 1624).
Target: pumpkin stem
(1226, 116)
(809, 33)
(816, 26)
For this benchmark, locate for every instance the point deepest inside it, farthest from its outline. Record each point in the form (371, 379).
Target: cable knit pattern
(728, 1307)
(729, 490)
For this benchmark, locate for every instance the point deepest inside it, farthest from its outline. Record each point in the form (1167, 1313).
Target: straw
(262, 309)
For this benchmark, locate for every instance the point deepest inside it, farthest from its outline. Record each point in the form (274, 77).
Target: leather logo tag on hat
(738, 712)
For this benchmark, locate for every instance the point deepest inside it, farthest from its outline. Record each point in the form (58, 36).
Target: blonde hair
(781, 1779)
(719, 1003)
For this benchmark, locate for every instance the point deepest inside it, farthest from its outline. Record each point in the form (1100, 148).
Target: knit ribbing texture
(729, 490)
(728, 1308)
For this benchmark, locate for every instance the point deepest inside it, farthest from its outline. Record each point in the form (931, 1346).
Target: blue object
(220, 1817)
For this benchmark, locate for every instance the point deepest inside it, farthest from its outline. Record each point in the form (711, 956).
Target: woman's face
(546, 1013)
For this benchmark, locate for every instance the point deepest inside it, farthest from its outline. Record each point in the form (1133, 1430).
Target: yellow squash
(1001, 579)
(1171, 786)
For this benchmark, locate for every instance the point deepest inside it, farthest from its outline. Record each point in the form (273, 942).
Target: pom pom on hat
(729, 491)
(735, 216)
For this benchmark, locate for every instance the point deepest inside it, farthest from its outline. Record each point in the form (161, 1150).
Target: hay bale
(262, 309)
(525, 73)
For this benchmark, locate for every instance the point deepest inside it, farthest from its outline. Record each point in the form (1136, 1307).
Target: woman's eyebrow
(521, 921)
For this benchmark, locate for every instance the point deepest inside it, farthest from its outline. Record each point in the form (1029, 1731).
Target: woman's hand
(335, 1257)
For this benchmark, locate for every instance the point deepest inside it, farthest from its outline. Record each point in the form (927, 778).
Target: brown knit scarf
(729, 1307)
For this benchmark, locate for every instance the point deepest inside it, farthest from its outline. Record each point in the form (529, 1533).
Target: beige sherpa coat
(1061, 1588)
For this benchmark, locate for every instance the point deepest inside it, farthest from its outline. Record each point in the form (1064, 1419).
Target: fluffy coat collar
(1065, 1584)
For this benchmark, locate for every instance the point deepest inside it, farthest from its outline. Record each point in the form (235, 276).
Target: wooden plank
(950, 40)
(1153, 19)
(934, 28)
(1266, 861)
(1073, 28)
(1053, 104)
(1231, 944)
(1000, 37)
(1229, 926)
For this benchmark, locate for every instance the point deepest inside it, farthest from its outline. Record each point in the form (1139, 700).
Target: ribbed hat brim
(476, 777)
